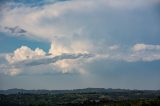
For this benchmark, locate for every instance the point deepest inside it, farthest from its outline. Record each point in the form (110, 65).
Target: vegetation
(116, 98)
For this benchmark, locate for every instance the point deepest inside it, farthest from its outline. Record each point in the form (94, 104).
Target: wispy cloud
(145, 47)
(135, 53)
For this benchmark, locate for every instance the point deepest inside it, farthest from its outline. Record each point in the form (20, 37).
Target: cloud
(75, 21)
(24, 58)
(74, 47)
(31, 3)
(58, 19)
(3, 58)
(114, 47)
(144, 47)
(140, 52)
(24, 53)
(137, 53)
(81, 27)
(49, 59)
(15, 29)
(145, 52)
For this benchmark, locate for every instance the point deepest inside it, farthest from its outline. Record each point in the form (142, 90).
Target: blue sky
(67, 44)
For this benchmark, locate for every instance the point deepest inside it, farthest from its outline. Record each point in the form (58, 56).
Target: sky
(71, 44)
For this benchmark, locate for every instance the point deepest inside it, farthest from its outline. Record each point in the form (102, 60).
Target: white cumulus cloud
(24, 57)
(24, 53)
